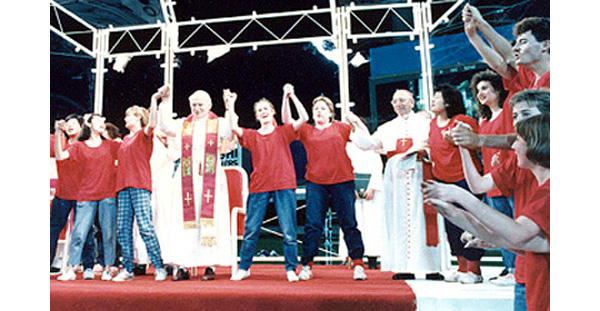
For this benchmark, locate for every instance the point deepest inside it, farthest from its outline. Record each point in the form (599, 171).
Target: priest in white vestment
(405, 247)
(189, 238)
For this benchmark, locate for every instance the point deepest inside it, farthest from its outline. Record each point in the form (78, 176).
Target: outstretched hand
(441, 191)
(288, 90)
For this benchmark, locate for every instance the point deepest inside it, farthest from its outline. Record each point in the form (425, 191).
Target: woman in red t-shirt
(95, 158)
(487, 88)
(330, 178)
(273, 177)
(530, 232)
(447, 104)
(134, 188)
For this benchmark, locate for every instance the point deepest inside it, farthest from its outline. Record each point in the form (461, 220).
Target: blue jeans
(86, 211)
(136, 202)
(505, 206)
(520, 303)
(342, 201)
(285, 206)
(59, 213)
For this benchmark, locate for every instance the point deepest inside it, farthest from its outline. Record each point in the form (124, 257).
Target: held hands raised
(163, 92)
(288, 90)
(229, 99)
(59, 125)
(462, 135)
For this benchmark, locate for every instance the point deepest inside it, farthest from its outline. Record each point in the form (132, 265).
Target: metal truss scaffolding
(337, 24)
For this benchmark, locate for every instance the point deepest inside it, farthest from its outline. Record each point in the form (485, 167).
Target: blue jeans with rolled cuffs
(107, 215)
(59, 214)
(342, 201)
(285, 206)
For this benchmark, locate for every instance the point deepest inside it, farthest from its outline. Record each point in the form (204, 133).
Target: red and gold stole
(208, 172)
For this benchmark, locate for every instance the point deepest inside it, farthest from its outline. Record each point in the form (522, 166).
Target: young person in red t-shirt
(134, 188)
(530, 231)
(273, 177)
(65, 198)
(329, 178)
(447, 104)
(95, 158)
(487, 88)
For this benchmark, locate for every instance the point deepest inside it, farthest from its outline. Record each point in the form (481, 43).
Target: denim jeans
(457, 247)
(505, 206)
(520, 303)
(318, 198)
(285, 206)
(59, 213)
(136, 202)
(86, 211)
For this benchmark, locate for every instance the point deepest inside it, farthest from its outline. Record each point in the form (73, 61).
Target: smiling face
(520, 148)
(528, 50)
(403, 102)
(97, 124)
(486, 94)
(264, 112)
(132, 121)
(200, 104)
(72, 128)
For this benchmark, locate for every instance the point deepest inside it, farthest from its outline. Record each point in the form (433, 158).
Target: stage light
(120, 63)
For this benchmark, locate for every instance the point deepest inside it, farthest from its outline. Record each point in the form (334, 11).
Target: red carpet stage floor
(267, 288)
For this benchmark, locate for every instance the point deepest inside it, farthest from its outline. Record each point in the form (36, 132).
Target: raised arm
(498, 55)
(477, 183)
(286, 113)
(153, 110)
(463, 136)
(165, 111)
(229, 99)
(59, 153)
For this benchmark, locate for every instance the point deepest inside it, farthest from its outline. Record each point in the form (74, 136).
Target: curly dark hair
(540, 28)
(495, 81)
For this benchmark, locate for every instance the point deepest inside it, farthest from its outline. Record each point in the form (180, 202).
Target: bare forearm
(497, 141)
(477, 183)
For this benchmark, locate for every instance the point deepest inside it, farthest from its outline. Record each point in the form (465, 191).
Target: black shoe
(54, 270)
(181, 275)
(403, 276)
(139, 270)
(503, 273)
(434, 276)
(209, 274)
(372, 262)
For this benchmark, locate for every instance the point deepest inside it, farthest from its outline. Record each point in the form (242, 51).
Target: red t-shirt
(494, 127)
(523, 80)
(98, 169)
(537, 290)
(134, 161)
(272, 164)
(328, 163)
(520, 183)
(447, 164)
(68, 174)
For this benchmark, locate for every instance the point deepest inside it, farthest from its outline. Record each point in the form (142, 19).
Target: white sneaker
(471, 278)
(291, 276)
(240, 275)
(88, 274)
(454, 276)
(68, 275)
(359, 273)
(160, 274)
(305, 274)
(124, 275)
(106, 276)
(507, 280)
